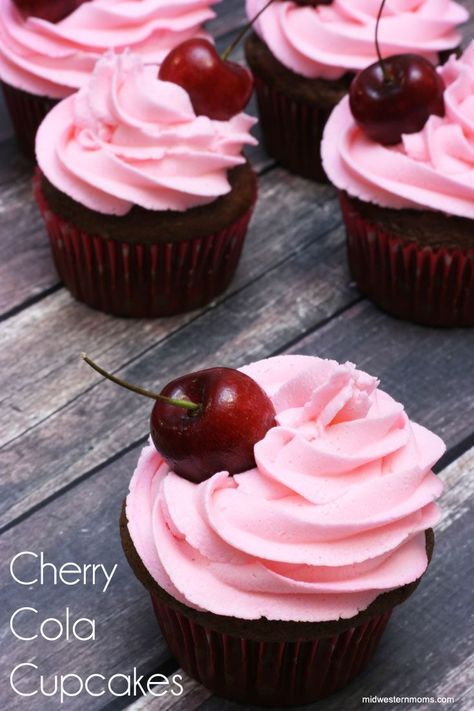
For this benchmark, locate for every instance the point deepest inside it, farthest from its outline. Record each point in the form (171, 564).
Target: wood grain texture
(69, 442)
(426, 648)
(26, 267)
(82, 526)
(256, 317)
(193, 696)
(230, 16)
(423, 368)
(29, 272)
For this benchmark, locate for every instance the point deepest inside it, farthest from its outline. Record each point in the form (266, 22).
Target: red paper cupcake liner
(292, 131)
(431, 286)
(27, 111)
(143, 280)
(267, 673)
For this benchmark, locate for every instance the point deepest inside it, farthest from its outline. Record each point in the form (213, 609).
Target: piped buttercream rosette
(432, 169)
(327, 41)
(127, 138)
(333, 515)
(55, 59)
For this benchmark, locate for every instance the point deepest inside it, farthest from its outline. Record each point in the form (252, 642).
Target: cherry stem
(227, 52)
(386, 76)
(187, 404)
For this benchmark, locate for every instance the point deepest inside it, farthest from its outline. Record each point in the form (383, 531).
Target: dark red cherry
(51, 10)
(234, 414)
(217, 88)
(396, 96)
(206, 422)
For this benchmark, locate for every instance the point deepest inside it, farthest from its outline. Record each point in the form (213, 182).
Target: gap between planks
(426, 650)
(193, 696)
(34, 333)
(60, 390)
(28, 274)
(456, 502)
(127, 634)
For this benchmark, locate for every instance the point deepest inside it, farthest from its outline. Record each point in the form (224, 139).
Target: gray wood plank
(192, 697)
(257, 319)
(468, 29)
(427, 647)
(82, 526)
(423, 368)
(230, 16)
(26, 267)
(27, 272)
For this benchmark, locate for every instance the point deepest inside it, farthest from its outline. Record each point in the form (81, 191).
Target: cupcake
(273, 586)
(304, 57)
(409, 208)
(146, 204)
(42, 62)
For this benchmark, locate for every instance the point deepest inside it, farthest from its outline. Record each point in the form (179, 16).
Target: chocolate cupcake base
(148, 264)
(27, 111)
(416, 265)
(293, 110)
(265, 662)
(268, 673)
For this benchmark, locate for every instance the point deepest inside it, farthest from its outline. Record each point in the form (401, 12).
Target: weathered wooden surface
(69, 442)
(194, 695)
(420, 630)
(427, 648)
(58, 395)
(28, 274)
(412, 659)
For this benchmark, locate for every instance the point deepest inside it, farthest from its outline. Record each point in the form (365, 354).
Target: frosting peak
(127, 138)
(333, 514)
(327, 393)
(432, 169)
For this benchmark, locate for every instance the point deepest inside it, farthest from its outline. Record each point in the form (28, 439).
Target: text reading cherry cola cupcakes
(48, 48)
(146, 203)
(273, 577)
(304, 54)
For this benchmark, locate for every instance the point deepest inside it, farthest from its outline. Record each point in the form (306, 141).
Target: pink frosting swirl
(333, 515)
(54, 60)
(329, 40)
(127, 138)
(432, 169)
